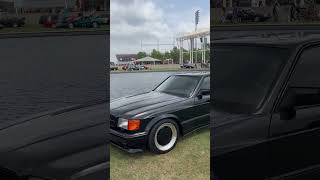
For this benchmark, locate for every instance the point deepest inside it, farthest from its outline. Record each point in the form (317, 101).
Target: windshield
(179, 85)
(243, 76)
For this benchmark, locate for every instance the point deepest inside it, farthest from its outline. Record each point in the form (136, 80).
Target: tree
(156, 54)
(186, 56)
(174, 54)
(141, 55)
(166, 56)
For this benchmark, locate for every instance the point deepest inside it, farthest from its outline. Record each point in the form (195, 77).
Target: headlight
(129, 124)
(123, 123)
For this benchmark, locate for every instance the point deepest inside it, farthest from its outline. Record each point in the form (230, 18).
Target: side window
(205, 83)
(307, 70)
(304, 85)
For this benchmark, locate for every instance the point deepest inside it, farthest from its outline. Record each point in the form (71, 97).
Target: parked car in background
(68, 20)
(50, 21)
(113, 67)
(7, 20)
(65, 21)
(142, 67)
(134, 67)
(265, 111)
(157, 119)
(188, 66)
(85, 22)
(44, 18)
(103, 19)
(247, 15)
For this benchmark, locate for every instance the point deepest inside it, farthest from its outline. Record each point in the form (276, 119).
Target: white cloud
(133, 21)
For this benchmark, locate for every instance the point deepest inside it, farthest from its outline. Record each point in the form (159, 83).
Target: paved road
(124, 84)
(45, 73)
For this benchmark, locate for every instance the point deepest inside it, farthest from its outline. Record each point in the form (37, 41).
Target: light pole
(197, 14)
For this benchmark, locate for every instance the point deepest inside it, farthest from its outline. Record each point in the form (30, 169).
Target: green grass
(190, 159)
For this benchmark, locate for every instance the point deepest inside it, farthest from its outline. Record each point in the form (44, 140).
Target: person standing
(275, 11)
(235, 13)
(292, 12)
(223, 16)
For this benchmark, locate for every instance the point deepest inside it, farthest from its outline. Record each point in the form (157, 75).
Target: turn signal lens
(133, 124)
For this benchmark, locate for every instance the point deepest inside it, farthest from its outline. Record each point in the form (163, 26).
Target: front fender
(159, 118)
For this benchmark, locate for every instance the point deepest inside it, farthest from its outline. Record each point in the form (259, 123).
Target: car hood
(142, 105)
(56, 144)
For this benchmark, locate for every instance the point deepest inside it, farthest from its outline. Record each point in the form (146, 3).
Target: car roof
(200, 73)
(274, 41)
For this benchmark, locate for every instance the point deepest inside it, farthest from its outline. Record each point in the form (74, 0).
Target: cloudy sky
(133, 21)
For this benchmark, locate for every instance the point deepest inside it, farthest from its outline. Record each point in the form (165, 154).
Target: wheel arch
(162, 117)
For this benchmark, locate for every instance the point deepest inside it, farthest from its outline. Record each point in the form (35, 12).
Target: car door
(202, 103)
(198, 111)
(295, 125)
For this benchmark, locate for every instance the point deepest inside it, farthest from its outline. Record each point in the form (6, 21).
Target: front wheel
(163, 136)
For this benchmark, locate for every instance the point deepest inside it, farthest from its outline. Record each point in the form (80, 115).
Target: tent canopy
(148, 59)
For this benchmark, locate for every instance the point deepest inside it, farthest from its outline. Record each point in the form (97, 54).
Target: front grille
(6, 174)
(113, 121)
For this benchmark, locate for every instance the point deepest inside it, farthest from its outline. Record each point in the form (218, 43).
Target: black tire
(158, 141)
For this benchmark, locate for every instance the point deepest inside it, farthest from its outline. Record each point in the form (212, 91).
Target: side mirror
(203, 92)
(286, 109)
(297, 97)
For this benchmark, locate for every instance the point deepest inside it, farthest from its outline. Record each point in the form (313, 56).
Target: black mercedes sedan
(155, 120)
(65, 144)
(265, 114)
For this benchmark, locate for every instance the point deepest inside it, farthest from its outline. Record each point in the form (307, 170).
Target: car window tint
(307, 72)
(179, 85)
(205, 83)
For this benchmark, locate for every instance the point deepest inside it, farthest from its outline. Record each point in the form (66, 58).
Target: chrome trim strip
(195, 118)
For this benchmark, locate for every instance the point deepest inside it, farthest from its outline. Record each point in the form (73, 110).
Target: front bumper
(131, 143)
